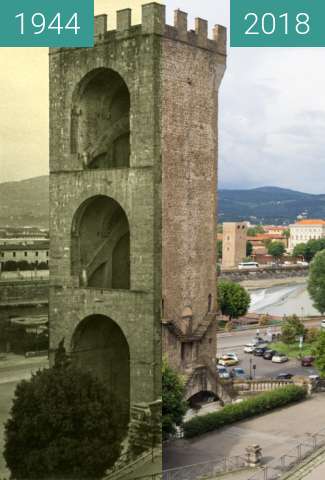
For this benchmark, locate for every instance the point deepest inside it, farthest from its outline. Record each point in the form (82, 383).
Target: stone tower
(193, 67)
(234, 242)
(133, 151)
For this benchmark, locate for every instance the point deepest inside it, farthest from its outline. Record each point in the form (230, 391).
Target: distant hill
(269, 205)
(26, 203)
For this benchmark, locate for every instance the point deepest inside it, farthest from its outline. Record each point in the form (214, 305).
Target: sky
(271, 115)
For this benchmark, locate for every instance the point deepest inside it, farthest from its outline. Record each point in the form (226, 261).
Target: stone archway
(100, 247)
(100, 347)
(100, 120)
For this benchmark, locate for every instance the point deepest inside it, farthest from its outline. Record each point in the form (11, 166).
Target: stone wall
(264, 273)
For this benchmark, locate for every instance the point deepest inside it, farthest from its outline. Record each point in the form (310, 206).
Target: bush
(63, 425)
(246, 409)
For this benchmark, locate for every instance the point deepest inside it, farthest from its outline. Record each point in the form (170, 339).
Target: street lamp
(250, 369)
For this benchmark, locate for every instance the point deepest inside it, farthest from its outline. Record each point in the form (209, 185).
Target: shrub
(246, 409)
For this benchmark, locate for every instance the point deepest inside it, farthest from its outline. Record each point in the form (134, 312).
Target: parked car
(238, 372)
(284, 376)
(322, 325)
(223, 372)
(259, 351)
(227, 361)
(268, 354)
(302, 263)
(279, 358)
(249, 348)
(232, 355)
(307, 361)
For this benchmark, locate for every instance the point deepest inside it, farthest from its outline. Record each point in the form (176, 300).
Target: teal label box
(47, 23)
(277, 23)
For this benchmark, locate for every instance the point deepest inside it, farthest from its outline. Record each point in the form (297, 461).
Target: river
(282, 300)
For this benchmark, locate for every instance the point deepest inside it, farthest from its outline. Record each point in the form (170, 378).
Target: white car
(322, 324)
(223, 372)
(249, 348)
(279, 358)
(232, 355)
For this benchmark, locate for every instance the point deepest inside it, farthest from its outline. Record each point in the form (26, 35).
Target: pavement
(276, 432)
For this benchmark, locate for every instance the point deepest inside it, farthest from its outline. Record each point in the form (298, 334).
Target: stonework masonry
(133, 162)
(234, 241)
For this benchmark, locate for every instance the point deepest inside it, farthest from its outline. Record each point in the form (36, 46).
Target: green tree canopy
(301, 250)
(63, 425)
(253, 231)
(233, 299)
(319, 352)
(249, 249)
(291, 329)
(276, 249)
(219, 249)
(316, 281)
(173, 404)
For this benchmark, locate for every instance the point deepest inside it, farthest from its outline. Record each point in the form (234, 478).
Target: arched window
(100, 250)
(100, 120)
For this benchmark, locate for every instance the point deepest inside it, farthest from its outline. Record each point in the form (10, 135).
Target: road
(234, 342)
(11, 372)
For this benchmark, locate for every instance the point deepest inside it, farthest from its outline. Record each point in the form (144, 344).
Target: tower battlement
(154, 22)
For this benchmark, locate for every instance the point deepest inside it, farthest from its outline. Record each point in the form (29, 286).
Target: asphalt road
(235, 342)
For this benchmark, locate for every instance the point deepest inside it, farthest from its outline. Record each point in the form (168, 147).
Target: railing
(276, 468)
(205, 469)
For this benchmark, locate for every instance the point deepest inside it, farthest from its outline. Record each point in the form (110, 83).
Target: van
(248, 265)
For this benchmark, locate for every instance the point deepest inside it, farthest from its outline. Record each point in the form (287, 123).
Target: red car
(307, 361)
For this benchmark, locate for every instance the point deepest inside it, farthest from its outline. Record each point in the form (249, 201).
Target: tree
(249, 249)
(291, 329)
(63, 425)
(276, 249)
(319, 352)
(300, 250)
(286, 233)
(173, 404)
(219, 250)
(316, 281)
(253, 231)
(233, 299)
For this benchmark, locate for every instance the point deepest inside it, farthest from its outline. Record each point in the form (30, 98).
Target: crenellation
(100, 26)
(180, 23)
(220, 37)
(201, 30)
(153, 18)
(123, 20)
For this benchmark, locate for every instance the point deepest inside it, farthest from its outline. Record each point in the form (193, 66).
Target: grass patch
(292, 350)
(246, 409)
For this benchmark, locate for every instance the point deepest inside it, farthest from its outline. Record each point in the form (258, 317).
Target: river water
(282, 300)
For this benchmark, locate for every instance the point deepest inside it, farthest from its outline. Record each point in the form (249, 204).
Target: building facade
(133, 154)
(305, 230)
(31, 252)
(234, 243)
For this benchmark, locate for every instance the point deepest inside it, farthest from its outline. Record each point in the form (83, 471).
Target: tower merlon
(220, 37)
(201, 30)
(123, 19)
(100, 25)
(153, 18)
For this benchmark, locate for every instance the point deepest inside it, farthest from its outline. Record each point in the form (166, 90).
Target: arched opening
(100, 120)
(202, 398)
(100, 250)
(99, 346)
